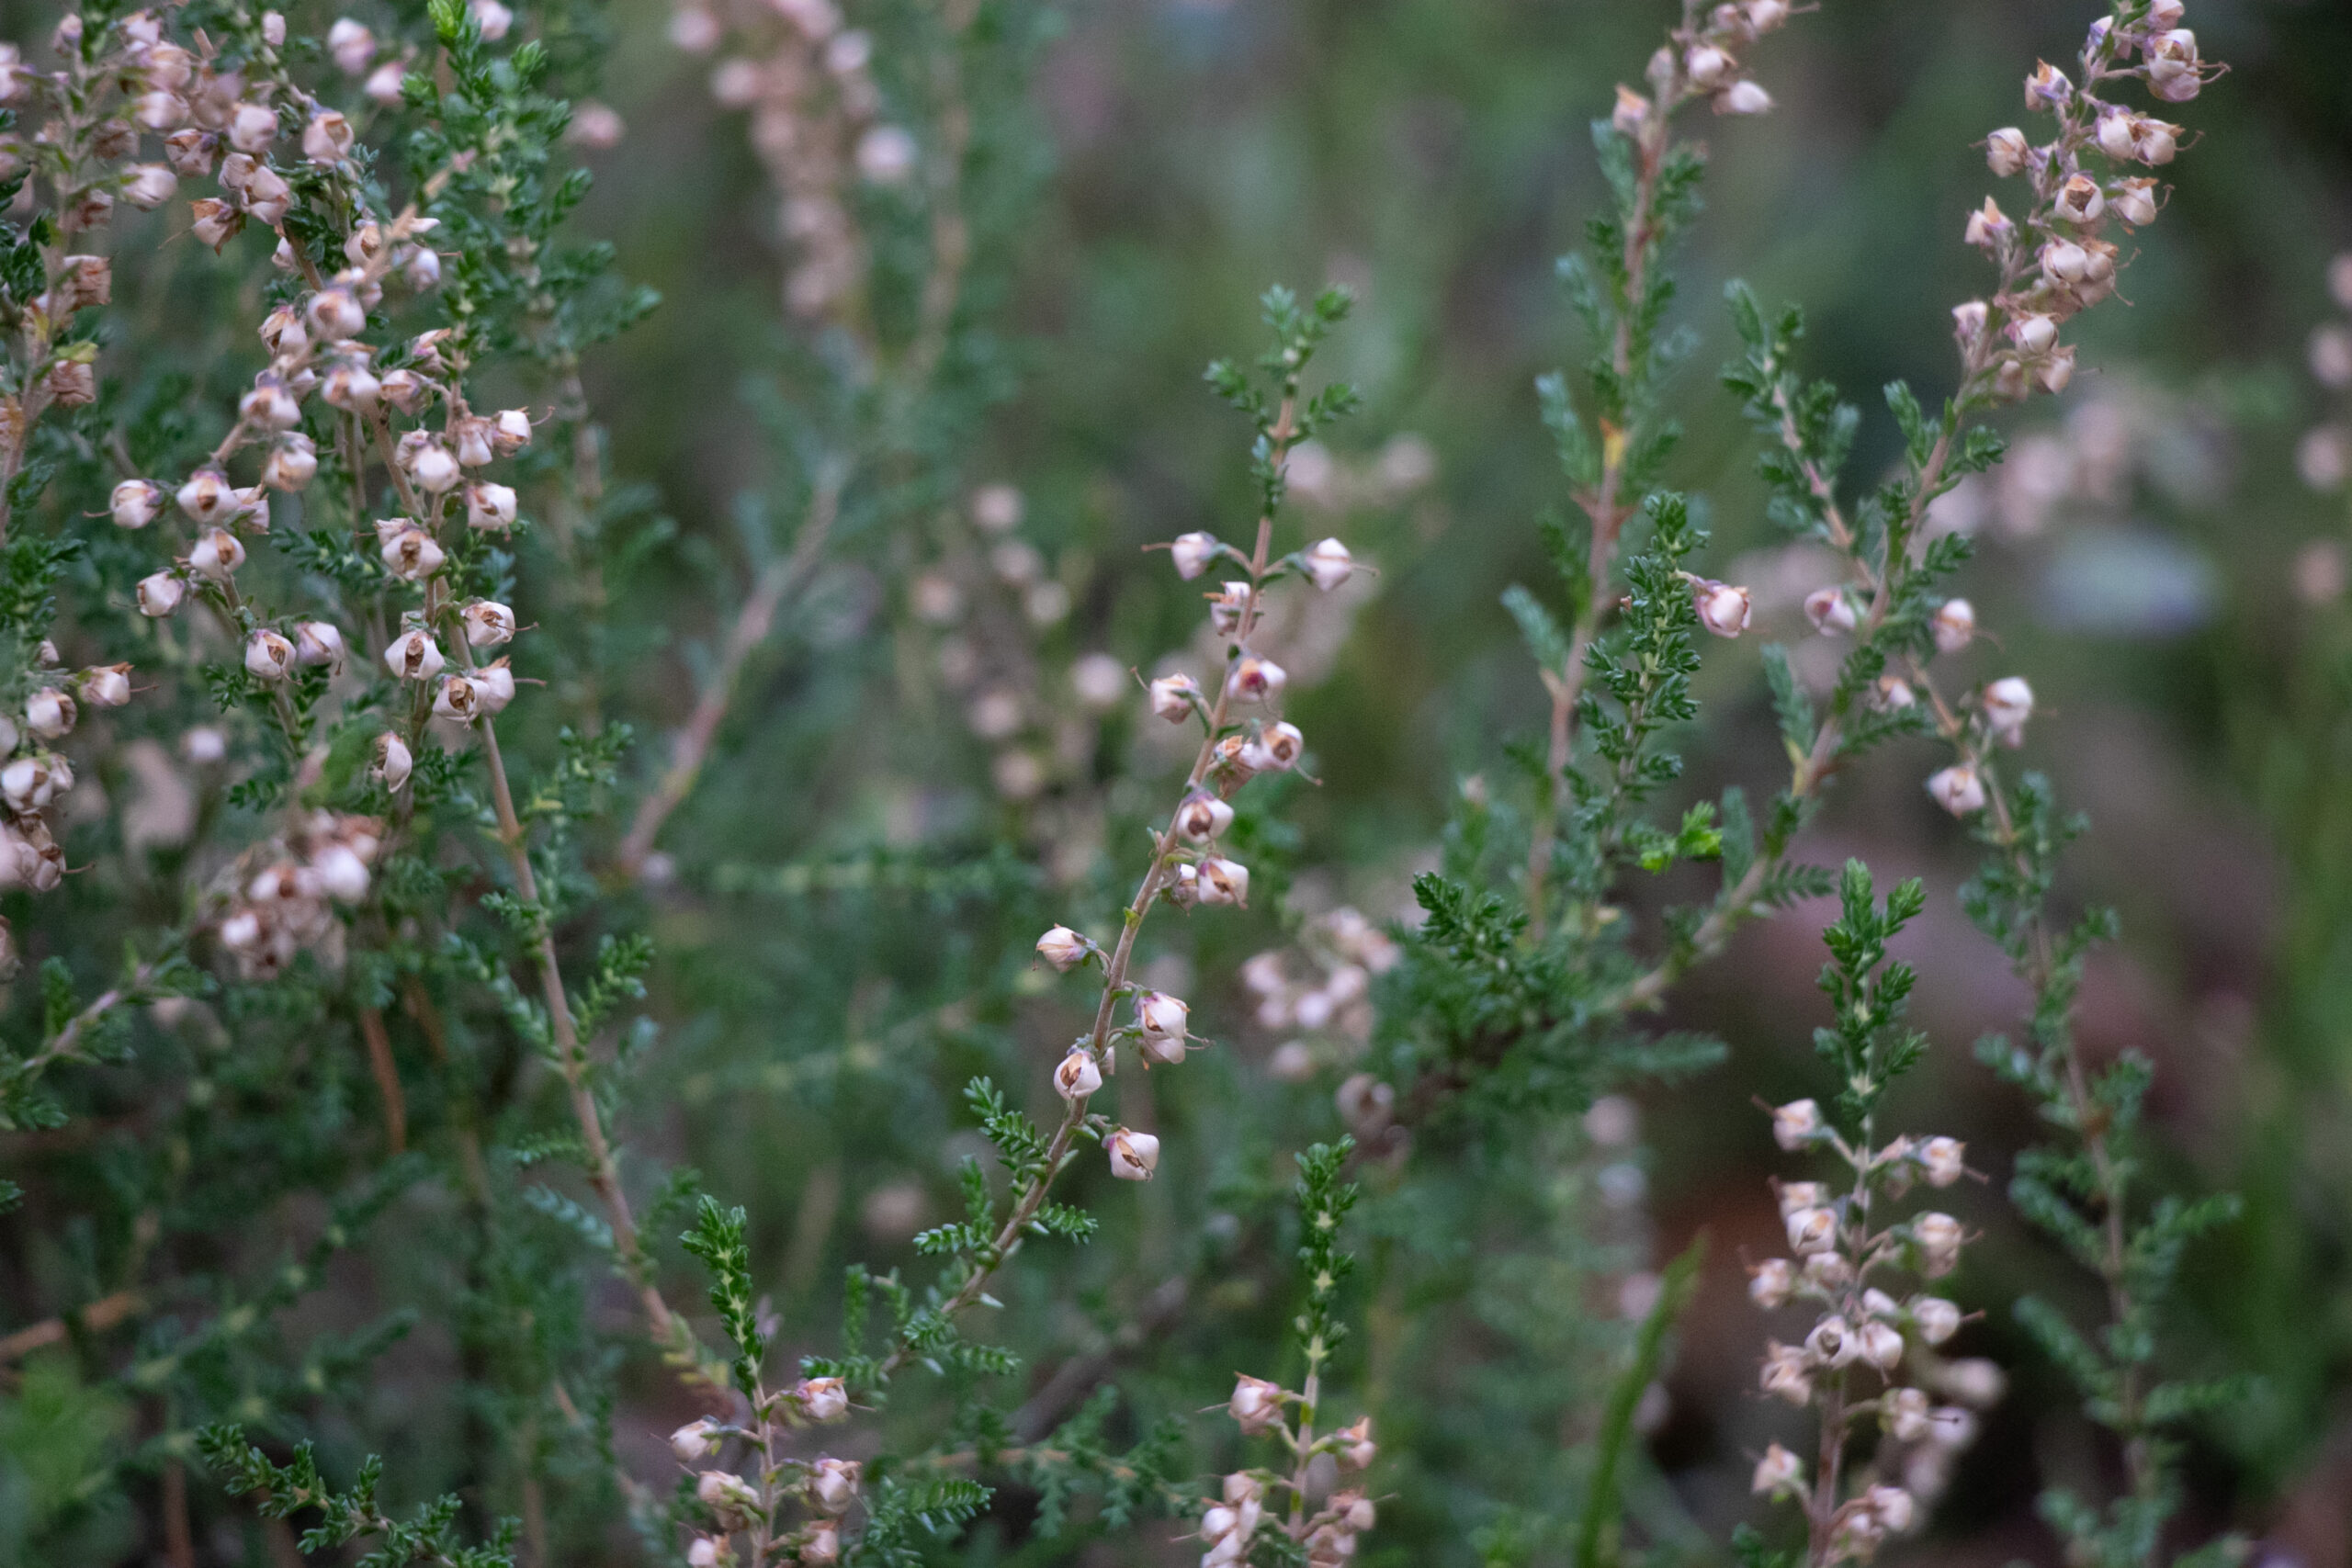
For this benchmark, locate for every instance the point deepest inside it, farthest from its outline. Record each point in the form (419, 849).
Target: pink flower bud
(1771, 1282)
(1133, 1155)
(1778, 1474)
(1079, 1075)
(1936, 1319)
(136, 502)
(159, 594)
(1064, 948)
(216, 555)
(1958, 790)
(1202, 818)
(1193, 553)
(1328, 564)
(269, 656)
(1954, 625)
(391, 766)
(1256, 680)
(1256, 1405)
(1175, 697)
(1830, 611)
(488, 622)
(2006, 152)
(1722, 609)
(822, 1399)
(414, 656)
(1796, 1124)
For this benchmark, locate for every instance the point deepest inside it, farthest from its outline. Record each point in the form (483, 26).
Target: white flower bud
(1795, 1195)
(820, 1544)
(1958, 789)
(2047, 87)
(28, 784)
(1707, 66)
(472, 437)
(335, 314)
(1941, 1158)
(136, 502)
(1193, 553)
(1830, 611)
(724, 1493)
(494, 20)
(293, 463)
(488, 622)
(490, 506)
(2175, 74)
(2033, 333)
(341, 874)
(160, 593)
(510, 432)
(1880, 1345)
(1328, 564)
(1184, 887)
(2055, 372)
(1954, 625)
(1968, 321)
(1785, 1375)
(429, 463)
(1770, 1282)
(2080, 200)
(1175, 697)
(1275, 749)
(327, 140)
(833, 1483)
(1796, 1124)
(2007, 704)
(352, 46)
(696, 1439)
(318, 642)
(1226, 606)
(1939, 1240)
(104, 687)
(1891, 1508)
(49, 713)
(391, 766)
(1256, 1405)
(1357, 1450)
(494, 685)
(1256, 680)
(1224, 881)
(1722, 609)
(1744, 97)
(1766, 16)
(1832, 1342)
(383, 83)
(2005, 152)
(411, 556)
(455, 699)
(1950, 1427)
(1903, 1412)
(351, 385)
(1161, 1017)
(822, 1399)
(2133, 200)
(1779, 1472)
(1936, 1319)
(268, 655)
(208, 497)
(252, 128)
(1133, 1155)
(1812, 1230)
(1063, 948)
(1202, 818)
(1079, 1075)
(414, 656)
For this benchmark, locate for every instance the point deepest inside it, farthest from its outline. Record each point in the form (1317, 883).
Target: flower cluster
(1703, 61)
(1325, 1527)
(825, 1489)
(284, 893)
(805, 79)
(1873, 1354)
(2057, 262)
(1321, 987)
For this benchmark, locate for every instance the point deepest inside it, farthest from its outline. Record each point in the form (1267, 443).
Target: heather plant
(379, 983)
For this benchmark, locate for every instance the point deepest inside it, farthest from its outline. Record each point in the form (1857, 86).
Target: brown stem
(669, 1332)
(179, 1541)
(387, 1078)
(777, 582)
(96, 1318)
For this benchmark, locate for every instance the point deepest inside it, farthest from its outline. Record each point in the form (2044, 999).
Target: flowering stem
(1057, 1155)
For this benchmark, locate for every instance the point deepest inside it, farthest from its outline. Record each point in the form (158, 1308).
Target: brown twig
(387, 1078)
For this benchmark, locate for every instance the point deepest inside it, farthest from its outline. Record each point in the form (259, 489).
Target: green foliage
(282, 1491)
